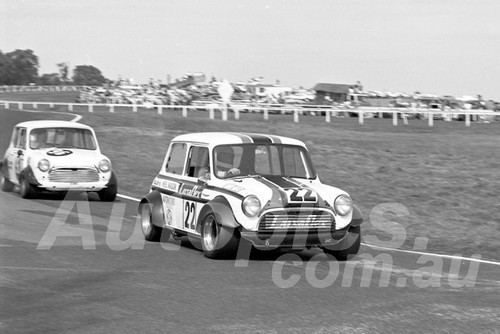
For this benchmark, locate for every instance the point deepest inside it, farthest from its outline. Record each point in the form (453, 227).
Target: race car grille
(298, 220)
(74, 175)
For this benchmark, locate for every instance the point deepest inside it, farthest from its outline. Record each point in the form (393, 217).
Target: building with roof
(340, 93)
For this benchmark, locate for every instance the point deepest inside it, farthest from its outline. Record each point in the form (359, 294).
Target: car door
(15, 154)
(197, 166)
(172, 201)
(19, 154)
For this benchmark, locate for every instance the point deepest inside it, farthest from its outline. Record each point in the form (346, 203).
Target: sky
(444, 47)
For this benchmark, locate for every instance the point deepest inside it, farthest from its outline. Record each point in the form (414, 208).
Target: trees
(49, 79)
(88, 75)
(19, 67)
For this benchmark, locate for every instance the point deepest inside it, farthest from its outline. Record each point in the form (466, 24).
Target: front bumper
(300, 239)
(80, 186)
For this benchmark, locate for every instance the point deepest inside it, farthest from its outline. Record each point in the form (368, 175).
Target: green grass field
(447, 176)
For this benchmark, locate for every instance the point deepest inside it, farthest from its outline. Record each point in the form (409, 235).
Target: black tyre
(151, 231)
(26, 189)
(218, 241)
(351, 251)
(7, 186)
(108, 194)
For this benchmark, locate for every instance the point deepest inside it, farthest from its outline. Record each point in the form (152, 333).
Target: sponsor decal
(189, 190)
(58, 152)
(169, 203)
(233, 187)
(168, 217)
(166, 184)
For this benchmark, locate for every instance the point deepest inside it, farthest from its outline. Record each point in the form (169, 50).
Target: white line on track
(434, 254)
(128, 197)
(76, 119)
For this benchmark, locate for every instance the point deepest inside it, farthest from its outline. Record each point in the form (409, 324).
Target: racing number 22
(189, 215)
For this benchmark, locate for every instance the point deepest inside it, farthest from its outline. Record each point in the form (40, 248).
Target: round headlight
(251, 205)
(104, 166)
(343, 205)
(43, 165)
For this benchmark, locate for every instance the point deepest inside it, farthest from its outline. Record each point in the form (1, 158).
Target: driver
(225, 162)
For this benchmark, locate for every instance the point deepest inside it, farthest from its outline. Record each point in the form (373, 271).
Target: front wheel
(151, 231)
(108, 194)
(26, 189)
(218, 241)
(349, 252)
(7, 186)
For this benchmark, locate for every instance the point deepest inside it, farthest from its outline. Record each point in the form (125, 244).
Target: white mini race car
(56, 156)
(229, 190)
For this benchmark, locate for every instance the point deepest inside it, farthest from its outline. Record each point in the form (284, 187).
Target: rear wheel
(351, 251)
(7, 186)
(26, 189)
(151, 231)
(218, 241)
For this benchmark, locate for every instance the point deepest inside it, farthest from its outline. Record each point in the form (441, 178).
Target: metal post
(328, 116)
(35, 105)
(134, 108)
(467, 119)
(266, 114)
(405, 118)
(360, 116)
(236, 113)
(224, 111)
(91, 108)
(296, 115)
(160, 110)
(111, 108)
(394, 118)
(20, 105)
(184, 112)
(431, 119)
(211, 113)
(70, 107)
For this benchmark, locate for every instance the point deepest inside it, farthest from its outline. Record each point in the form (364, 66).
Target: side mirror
(202, 181)
(20, 152)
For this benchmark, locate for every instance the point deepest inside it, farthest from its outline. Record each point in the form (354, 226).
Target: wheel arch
(357, 216)
(27, 173)
(113, 180)
(153, 199)
(222, 211)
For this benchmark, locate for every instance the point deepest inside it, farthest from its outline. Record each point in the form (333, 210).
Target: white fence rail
(397, 114)
(47, 88)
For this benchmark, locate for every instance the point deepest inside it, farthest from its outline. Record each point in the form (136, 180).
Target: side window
(198, 164)
(15, 137)
(20, 140)
(176, 159)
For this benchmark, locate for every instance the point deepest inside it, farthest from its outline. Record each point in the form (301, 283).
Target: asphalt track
(77, 265)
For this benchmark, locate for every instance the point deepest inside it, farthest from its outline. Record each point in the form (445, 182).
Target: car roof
(50, 124)
(221, 138)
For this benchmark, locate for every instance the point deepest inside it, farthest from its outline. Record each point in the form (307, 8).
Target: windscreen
(62, 138)
(256, 159)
